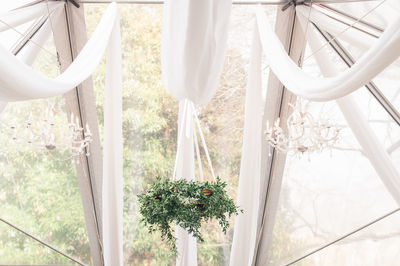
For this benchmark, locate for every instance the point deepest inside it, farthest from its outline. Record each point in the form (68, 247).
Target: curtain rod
(235, 2)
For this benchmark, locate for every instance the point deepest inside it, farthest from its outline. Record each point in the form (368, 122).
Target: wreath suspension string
(179, 140)
(196, 145)
(189, 126)
(196, 118)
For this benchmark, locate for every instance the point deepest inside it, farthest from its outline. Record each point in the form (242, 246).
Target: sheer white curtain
(31, 50)
(194, 36)
(19, 82)
(245, 232)
(373, 148)
(381, 54)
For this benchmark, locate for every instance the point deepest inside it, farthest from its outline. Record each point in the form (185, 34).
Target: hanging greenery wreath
(187, 204)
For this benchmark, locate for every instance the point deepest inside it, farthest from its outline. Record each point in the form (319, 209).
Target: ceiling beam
(352, 18)
(19, 229)
(372, 88)
(27, 37)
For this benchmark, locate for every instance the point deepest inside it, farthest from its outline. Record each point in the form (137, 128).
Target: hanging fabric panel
(373, 148)
(112, 153)
(245, 232)
(381, 54)
(185, 169)
(194, 38)
(32, 49)
(19, 82)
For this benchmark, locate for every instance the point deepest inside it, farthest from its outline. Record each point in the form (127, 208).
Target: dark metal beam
(74, 3)
(28, 36)
(344, 236)
(349, 61)
(41, 241)
(353, 18)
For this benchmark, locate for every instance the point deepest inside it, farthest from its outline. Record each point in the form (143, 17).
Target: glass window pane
(326, 195)
(374, 245)
(150, 122)
(38, 186)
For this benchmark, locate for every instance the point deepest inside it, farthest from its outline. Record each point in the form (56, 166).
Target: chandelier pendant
(304, 133)
(42, 133)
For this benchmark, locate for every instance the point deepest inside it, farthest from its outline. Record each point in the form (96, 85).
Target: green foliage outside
(39, 190)
(150, 118)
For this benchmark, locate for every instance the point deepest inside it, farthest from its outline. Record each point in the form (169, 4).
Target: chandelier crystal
(41, 134)
(304, 133)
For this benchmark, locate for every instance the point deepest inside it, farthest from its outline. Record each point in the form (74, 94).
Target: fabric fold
(381, 54)
(113, 153)
(19, 82)
(194, 40)
(245, 231)
(372, 147)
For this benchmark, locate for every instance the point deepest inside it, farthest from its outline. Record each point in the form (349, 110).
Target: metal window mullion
(87, 165)
(28, 36)
(19, 229)
(372, 88)
(273, 167)
(353, 18)
(70, 37)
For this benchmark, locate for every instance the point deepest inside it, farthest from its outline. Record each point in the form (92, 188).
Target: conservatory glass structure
(293, 104)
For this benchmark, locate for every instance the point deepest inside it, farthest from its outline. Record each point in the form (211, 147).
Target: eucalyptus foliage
(187, 204)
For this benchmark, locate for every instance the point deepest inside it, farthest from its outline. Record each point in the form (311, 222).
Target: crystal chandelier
(41, 134)
(303, 134)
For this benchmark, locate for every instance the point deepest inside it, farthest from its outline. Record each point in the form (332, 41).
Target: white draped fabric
(31, 50)
(381, 54)
(335, 85)
(185, 169)
(19, 82)
(194, 37)
(112, 150)
(372, 147)
(245, 231)
(23, 15)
